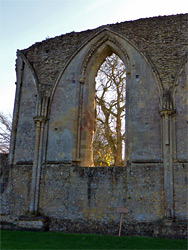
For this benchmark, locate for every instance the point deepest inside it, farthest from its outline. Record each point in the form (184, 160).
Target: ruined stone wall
(79, 199)
(162, 38)
(180, 190)
(96, 193)
(5, 183)
(53, 125)
(91, 194)
(82, 194)
(4, 171)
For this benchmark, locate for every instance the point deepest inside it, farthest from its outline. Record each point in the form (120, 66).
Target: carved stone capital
(167, 112)
(167, 101)
(82, 79)
(40, 119)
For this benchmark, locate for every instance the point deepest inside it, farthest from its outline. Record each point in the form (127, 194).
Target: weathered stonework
(50, 182)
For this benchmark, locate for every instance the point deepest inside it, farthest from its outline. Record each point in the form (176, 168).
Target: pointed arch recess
(108, 36)
(24, 58)
(178, 74)
(94, 48)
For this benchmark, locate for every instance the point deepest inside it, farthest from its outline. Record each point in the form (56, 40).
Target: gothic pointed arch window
(73, 117)
(110, 98)
(103, 114)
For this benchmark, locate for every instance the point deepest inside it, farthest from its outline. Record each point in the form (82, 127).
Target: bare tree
(110, 99)
(5, 132)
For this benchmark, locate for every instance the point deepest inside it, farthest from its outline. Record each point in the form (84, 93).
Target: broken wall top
(162, 39)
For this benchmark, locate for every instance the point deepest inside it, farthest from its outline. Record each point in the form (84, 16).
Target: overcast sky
(25, 22)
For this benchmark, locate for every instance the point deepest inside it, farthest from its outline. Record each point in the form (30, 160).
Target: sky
(25, 22)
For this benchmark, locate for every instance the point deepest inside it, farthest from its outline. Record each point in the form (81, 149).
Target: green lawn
(49, 240)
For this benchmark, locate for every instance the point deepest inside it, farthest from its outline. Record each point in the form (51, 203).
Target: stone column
(39, 163)
(34, 201)
(35, 166)
(167, 114)
(82, 80)
(40, 121)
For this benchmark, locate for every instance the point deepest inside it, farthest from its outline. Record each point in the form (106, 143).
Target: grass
(49, 240)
